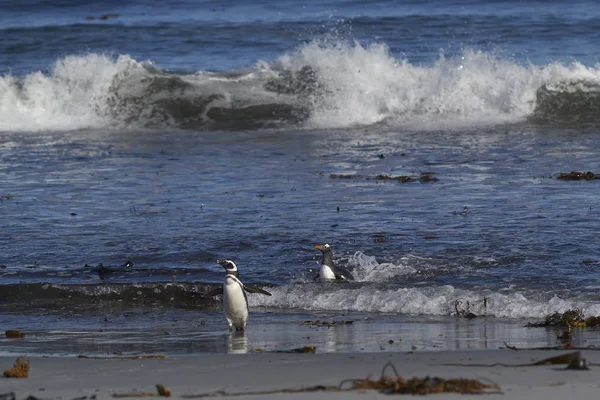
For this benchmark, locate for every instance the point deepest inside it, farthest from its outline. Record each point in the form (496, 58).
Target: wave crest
(323, 84)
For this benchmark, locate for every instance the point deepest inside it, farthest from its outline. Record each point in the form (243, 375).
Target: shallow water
(170, 331)
(173, 137)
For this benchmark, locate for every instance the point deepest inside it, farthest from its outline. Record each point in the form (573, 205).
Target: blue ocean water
(170, 134)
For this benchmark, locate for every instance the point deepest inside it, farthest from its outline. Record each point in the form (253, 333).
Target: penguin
(235, 302)
(328, 269)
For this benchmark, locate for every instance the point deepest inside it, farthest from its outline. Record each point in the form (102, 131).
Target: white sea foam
(365, 268)
(415, 301)
(73, 95)
(367, 85)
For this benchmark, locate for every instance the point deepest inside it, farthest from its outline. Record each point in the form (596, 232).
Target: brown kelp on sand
(387, 384)
(19, 370)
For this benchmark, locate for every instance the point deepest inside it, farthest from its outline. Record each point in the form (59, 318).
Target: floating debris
(577, 176)
(19, 370)
(14, 334)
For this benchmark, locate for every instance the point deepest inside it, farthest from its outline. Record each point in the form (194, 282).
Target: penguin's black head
(325, 248)
(228, 265)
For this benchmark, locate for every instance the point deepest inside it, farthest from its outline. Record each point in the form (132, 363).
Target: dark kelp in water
(385, 384)
(427, 177)
(19, 370)
(399, 178)
(577, 176)
(570, 318)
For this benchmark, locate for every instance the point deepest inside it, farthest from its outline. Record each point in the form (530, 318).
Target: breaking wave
(442, 300)
(406, 286)
(335, 297)
(323, 84)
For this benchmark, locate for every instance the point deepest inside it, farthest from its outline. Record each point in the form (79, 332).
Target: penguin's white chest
(234, 303)
(326, 272)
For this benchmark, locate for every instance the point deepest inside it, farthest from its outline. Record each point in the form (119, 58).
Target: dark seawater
(171, 134)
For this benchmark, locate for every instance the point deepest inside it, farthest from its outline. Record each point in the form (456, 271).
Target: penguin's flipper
(343, 274)
(215, 292)
(251, 289)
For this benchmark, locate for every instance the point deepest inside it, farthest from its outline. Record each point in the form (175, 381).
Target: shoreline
(266, 375)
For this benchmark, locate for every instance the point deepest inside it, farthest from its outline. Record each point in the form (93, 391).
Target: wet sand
(71, 377)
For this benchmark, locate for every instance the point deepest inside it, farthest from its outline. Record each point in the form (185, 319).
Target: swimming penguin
(235, 302)
(328, 269)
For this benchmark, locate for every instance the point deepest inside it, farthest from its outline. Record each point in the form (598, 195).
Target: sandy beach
(268, 375)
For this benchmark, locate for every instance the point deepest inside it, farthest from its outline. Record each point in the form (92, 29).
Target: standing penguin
(328, 269)
(235, 302)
